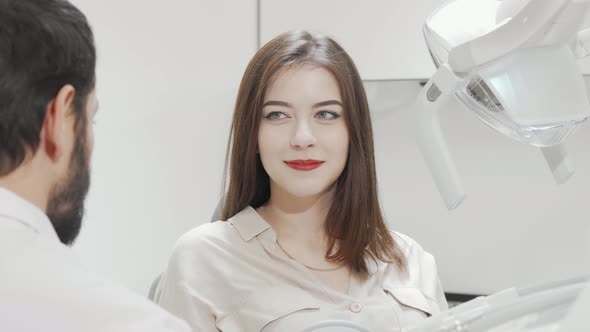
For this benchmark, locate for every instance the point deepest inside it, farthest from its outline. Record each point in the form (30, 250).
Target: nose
(303, 136)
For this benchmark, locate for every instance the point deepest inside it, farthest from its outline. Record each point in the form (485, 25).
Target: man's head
(47, 100)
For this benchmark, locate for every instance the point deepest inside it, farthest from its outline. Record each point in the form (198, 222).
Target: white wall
(168, 73)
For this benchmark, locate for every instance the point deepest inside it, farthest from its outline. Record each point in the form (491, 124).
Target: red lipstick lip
(304, 164)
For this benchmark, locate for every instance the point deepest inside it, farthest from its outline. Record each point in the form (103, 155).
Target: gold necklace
(307, 266)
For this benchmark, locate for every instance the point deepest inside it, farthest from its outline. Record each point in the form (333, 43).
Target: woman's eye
(275, 116)
(326, 115)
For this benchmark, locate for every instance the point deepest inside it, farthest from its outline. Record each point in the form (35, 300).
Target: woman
(304, 238)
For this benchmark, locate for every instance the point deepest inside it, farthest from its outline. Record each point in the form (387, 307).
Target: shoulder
(222, 236)
(421, 269)
(71, 298)
(204, 235)
(410, 248)
(203, 243)
(212, 232)
(201, 271)
(115, 306)
(212, 247)
(217, 234)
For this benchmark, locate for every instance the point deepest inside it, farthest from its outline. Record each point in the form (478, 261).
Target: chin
(304, 189)
(304, 193)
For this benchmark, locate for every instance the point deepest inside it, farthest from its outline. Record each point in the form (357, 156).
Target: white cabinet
(384, 37)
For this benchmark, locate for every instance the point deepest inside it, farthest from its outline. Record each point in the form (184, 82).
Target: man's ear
(55, 126)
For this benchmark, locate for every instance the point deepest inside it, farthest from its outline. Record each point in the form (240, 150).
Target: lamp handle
(559, 163)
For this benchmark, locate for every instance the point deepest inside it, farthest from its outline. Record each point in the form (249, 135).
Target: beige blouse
(232, 276)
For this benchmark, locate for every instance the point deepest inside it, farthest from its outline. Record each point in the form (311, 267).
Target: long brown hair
(355, 217)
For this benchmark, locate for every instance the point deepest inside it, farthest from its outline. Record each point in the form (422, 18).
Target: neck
(298, 219)
(25, 183)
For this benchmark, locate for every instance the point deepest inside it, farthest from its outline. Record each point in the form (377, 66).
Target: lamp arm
(431, 99)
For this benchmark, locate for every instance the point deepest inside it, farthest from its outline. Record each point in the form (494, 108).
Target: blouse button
(356, 307)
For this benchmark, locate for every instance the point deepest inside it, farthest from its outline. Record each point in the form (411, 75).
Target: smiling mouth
(304, 165)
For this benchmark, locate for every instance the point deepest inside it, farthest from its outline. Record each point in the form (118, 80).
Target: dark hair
(44, 45)
(355, 216)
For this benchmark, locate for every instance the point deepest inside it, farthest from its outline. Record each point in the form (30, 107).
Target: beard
(65, 206)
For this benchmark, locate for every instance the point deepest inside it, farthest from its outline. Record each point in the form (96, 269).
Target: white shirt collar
(17, 209)
(250, 224)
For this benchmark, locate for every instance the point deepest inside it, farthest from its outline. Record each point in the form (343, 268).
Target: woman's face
(303, 138)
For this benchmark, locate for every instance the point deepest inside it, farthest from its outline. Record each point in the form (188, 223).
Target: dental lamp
(513, 64)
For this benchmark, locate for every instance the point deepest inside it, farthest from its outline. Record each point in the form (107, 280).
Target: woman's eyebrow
(277, 103)
(328, 102)
(285, 104)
